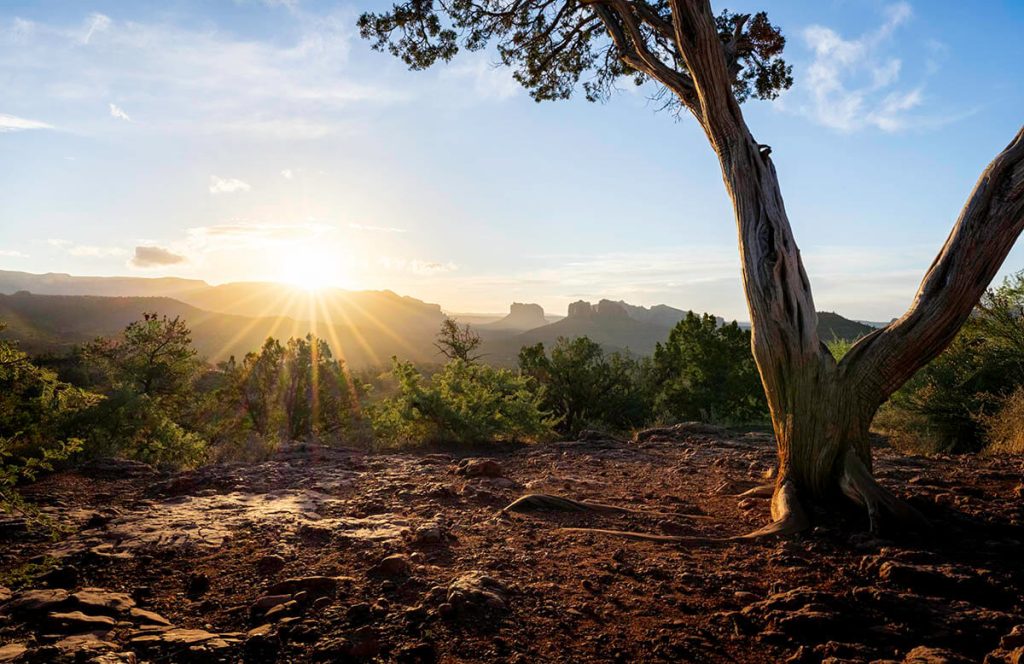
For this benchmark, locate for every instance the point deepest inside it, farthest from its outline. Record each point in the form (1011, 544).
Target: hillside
(54, 323)
(833, 326)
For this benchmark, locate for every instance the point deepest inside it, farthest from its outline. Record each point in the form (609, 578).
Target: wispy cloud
(14, 123)
(417, 266)
(855, 83)
(96, 252)
(220, 185)
(12, 253)
(254, 233)
(118, 112)
(489, 82)
(376, 229)
(287, 174)
(147, 257)
(195, 79)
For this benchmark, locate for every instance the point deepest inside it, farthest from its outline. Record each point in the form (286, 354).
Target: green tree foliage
(318, 397)
(458, 342)
(463, 403)
(34, 410)
(706, 372)
(259, 385)
(552, 46)
(972, 378)
(586, 388)
(151, 409)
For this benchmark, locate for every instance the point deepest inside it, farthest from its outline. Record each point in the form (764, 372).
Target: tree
(317, 395)
(707, 65)
(458, 342)
(959, 392)
(259, 385)
(154, 357)
(583, 387)
(463, 403)
(705, 372)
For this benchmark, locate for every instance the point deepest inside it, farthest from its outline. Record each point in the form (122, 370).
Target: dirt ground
(327, 555)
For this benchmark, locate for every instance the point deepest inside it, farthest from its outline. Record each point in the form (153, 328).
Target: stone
(1015, 639)
(100, 600)
(268, 602)
(315, 585)
(270, 564)
(82, 645)
(12, 652)
(36, 601)
(475, 592)
(65, 577)
(420, 653)
(197, 584)
(480, 468)
(429, 533)
(144, 617)
(76, 621)
(926, 655)
(395, 565)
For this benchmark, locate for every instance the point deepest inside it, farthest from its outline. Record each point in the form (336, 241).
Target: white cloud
(118, 112)
(287, 174)
(94, 24)
(196, 80)
(416, 266)
(227, 185)
(489, 81)
(376, 229)
(14, 123)
(853, 83)
(251, 234)
(146, 257)
(12, 253)
(96, 252)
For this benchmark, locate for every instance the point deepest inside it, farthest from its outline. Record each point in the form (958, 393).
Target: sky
(264, 140)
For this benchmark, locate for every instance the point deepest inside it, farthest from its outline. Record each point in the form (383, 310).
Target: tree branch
(983, 235)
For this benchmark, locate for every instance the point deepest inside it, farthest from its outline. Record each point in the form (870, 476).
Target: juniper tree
(707, 64)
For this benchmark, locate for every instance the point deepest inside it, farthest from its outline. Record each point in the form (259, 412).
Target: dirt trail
(336, 555)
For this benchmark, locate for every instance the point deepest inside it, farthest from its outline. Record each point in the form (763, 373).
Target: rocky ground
(326, 555)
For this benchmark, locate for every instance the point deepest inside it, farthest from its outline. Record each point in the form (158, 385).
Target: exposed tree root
(545, 501)
(763, 491)
(860, 486)
(789, 518)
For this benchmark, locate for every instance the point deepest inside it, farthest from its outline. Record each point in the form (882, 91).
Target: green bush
(463, 403)
(35, 408)
(706, 372)
(956, 394)
(585, 388)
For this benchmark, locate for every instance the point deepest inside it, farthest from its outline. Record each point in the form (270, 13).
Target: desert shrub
(954, 396)
(1004, 428)
(583, 387)
(839, 347)
(318, 397)
(463, 403)
(706, 372)
(35, 408)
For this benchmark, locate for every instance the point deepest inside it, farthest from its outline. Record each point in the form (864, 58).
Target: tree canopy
(556, 47)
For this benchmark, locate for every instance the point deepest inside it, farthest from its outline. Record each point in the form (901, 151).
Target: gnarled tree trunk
(821, 409)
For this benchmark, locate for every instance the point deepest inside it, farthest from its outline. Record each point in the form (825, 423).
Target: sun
(311, 268)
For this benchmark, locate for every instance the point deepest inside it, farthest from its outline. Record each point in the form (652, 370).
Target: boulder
(476, 592)
(100, 600)
(76, 621)
(36, 602)
(395, 565)
(479, 468)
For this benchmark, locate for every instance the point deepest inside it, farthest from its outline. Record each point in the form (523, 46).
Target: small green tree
(34, 410)
(705, 371)
(318, 397)
(583, 387)
(957, 392)
(259, 385)
(464, 403)
(458, 342)
(151, 412)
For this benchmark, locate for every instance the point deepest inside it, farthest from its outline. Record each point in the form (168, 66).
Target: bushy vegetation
(705, 371)
(463, 403)
(583, 387)
(968, 397)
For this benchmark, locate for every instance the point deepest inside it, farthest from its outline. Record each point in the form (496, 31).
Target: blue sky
(265, 140)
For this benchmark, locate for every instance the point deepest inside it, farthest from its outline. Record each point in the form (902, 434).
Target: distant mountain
(520, 318)
(659, 314)
(56, 283)
(608, 323)
(55, 323)
(833, 326)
